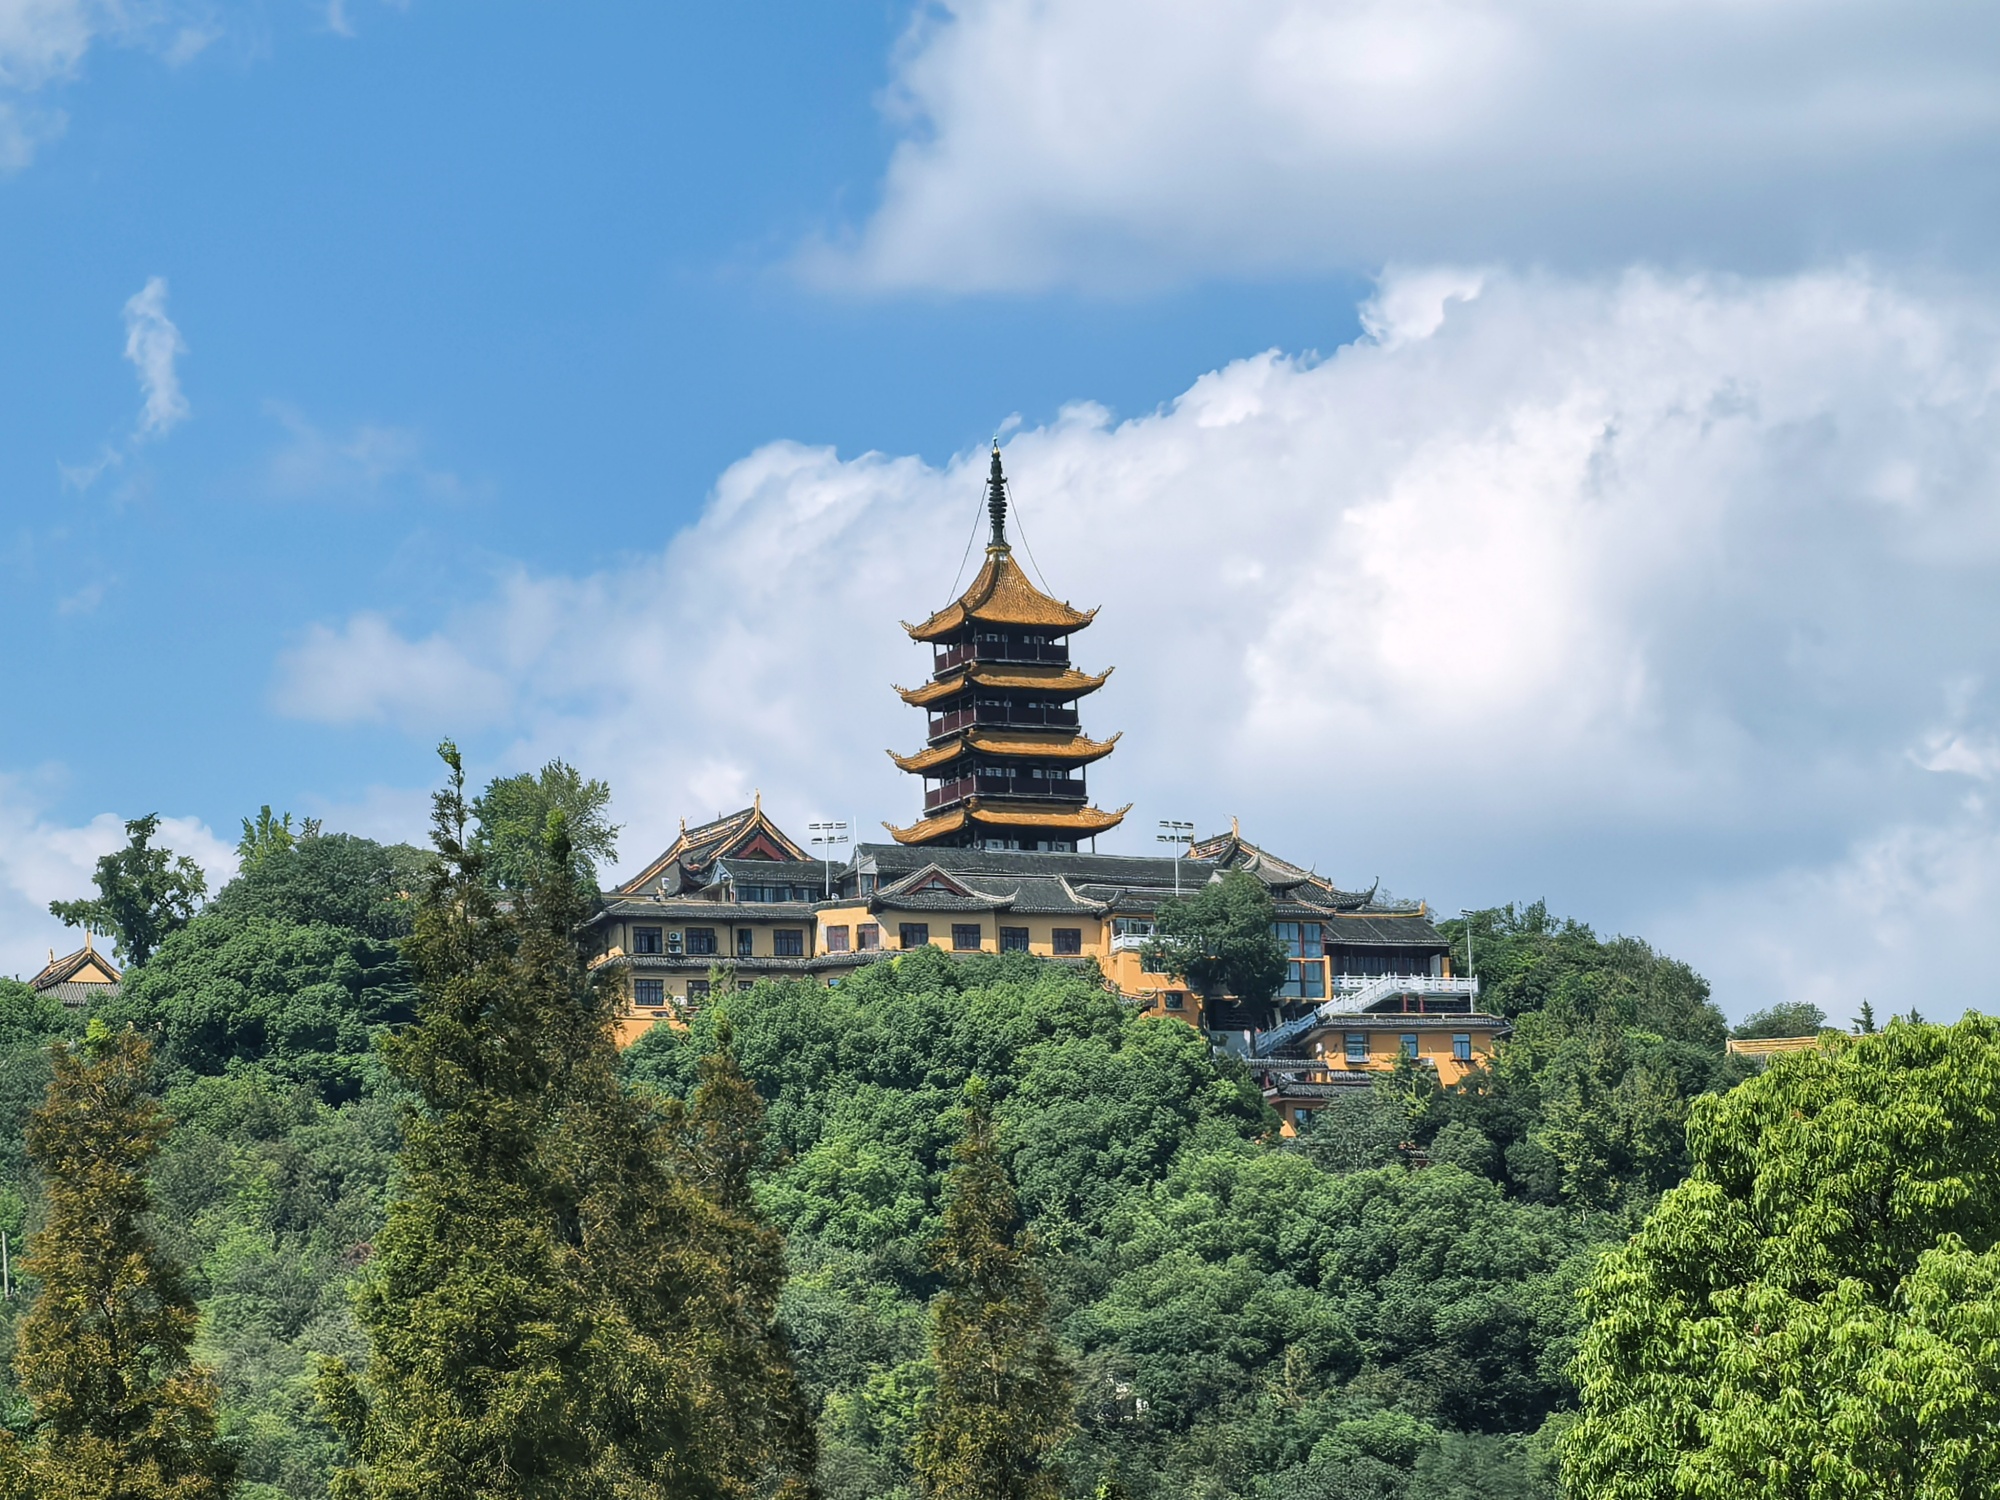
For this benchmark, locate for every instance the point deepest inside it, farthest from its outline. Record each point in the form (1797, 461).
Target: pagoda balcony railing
(986, 784)
(1011, 716)
(966, 651)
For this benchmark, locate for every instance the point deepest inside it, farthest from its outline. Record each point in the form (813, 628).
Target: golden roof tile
(1064, 682)
(1075, 749)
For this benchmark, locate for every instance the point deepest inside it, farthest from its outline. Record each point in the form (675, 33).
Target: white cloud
(367, 460)
(1617, 591)
(42, 41)
(43, 859)
(1108, 142)
(153, 344)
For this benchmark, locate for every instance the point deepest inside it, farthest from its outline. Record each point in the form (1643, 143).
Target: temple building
(1003, 764)
(997, 864)
(79, 979)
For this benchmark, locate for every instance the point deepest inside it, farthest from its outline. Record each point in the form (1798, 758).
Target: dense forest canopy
(1387, 1306)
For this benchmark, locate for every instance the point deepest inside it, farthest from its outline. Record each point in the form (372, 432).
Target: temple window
(1066, 940)
(1409, 1044)
(1131, 927)
(746, 942)
(649, 993)
(965, 937)
(867, 937)
(789, 942)
(701, 940)
(1461, 1046)
(1013, 940)
(647, 939)
(836, 939)
(914, 934)
(1175, 1000)
(1357, 1046)
(697, 991)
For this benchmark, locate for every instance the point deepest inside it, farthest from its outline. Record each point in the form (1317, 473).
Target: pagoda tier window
(1067, 940)
(914, 934)
(746, 942)
(867, 938)
(788, 942)
(966, 937)
(647, 939)
(649, 994)
(700, 940)
(1013, 940)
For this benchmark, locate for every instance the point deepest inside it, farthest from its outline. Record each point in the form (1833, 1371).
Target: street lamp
(1463, 912)
(827, 836)
(1180, 835)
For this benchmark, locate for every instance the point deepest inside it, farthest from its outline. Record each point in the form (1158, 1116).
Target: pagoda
(1003, 768)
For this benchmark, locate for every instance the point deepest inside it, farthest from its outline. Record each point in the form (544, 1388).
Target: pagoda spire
(996, 502)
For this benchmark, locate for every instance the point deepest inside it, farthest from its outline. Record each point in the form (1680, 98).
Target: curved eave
(1071, 749)
(1001, 595)
(1064, 682)
(998, 814)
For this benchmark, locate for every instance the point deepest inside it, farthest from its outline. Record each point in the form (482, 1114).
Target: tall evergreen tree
(542, 1308)
(1002, 1400)
(120, 1412)
(771, 1446)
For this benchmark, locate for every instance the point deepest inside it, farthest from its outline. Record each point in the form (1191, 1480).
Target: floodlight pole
(1463, 912)
(827, 835)
(1179, 835)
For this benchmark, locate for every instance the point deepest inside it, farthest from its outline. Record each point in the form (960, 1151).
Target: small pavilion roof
(86, 966)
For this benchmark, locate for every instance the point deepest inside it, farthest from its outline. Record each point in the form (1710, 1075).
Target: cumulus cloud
(153, 344)
(1105, 142)
(44, 859)
(1625, 591)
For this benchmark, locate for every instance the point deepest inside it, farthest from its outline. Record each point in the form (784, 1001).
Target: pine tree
(544, 1305)
(770, 1445)
(1002, 1401)
(120, 1412)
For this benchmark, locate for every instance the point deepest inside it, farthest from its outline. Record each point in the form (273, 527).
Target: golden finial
(1235, 831)
(756, 801)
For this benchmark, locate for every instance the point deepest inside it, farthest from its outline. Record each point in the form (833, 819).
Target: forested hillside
(1385, 1308)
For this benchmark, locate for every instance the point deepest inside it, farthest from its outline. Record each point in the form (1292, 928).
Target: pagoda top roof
(1001, 595)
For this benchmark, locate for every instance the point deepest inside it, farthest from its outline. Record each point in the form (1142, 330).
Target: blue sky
(1613, 520)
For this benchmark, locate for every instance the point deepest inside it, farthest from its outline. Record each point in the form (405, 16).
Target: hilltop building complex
(998, 863)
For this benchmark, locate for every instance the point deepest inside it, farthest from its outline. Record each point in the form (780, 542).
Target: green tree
(512, 817)
(1002, 1400)
(769, 1445)
(264, 835)
(119, 1410)
(1816, 1310)
(538, 1306)
(143, 893)
(335, 879)
(1220, 939)
(304, 1003)
(1787, 1018)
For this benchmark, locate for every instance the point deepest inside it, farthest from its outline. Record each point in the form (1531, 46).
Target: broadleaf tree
(1220, 939)
(1815, 1312)
(143, 894)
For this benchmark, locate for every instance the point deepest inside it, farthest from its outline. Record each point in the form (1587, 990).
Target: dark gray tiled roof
(700, 913)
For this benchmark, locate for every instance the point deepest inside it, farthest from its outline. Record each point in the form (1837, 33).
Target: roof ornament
(996, 502)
